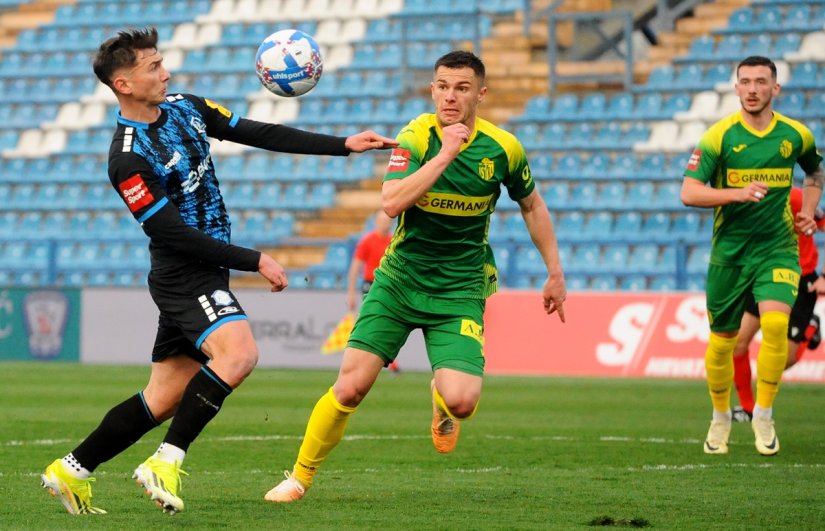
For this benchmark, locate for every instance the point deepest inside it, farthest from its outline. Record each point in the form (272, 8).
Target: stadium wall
(607, 334)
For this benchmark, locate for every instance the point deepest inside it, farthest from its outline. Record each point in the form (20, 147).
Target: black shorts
(193, 302)
(801, 312)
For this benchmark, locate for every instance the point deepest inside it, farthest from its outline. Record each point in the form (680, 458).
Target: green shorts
(453, 328)
(728, 288)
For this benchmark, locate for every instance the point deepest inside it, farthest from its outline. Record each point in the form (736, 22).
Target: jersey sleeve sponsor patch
(695, 159)
(135, 193)
(399, 160)
(218, 107)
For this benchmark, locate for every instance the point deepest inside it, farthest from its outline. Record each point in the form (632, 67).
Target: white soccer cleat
(717, 440)
(765, 435)
(288, 490)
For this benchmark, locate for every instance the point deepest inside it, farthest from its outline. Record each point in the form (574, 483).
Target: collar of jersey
(753, 131)
(141, 125)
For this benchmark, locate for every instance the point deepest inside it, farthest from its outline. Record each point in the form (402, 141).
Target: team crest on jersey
(486, 169)
(198, 124)
(218, 107)
(786, 149)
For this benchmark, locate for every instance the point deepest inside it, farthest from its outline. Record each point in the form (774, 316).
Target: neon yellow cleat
(717, 439)
(765, 436)
(444, 428)
(161, 480)
(288, 490)
(75, 494)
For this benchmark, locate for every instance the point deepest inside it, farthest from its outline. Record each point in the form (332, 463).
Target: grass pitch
(542, 453)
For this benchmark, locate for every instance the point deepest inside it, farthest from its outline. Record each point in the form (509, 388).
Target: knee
(237, 365)
(774, 327)
(460, 404)
(348, 392)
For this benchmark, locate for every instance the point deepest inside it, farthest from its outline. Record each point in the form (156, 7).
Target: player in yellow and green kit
(442, 182)
(747, 159)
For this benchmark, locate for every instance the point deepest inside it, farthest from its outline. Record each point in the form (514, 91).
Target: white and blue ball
(289, 63)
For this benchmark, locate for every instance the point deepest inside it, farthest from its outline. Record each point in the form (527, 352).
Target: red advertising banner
(611, 334)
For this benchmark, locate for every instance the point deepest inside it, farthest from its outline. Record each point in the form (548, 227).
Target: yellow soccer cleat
(161, 480)
(444, 428)
(288, 490)
(765, 436)
(717, 439)
(75, 494)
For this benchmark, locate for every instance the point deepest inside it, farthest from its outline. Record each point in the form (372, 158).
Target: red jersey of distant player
(369, 250)
(808, 254)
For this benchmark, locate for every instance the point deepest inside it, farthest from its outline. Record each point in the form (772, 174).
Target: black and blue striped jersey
(164, 173)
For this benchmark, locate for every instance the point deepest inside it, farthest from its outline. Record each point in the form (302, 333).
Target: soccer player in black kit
(159, 163)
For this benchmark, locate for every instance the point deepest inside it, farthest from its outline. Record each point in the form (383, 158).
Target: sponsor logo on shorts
(786, 276)
(135, 192)
(399, 160)
(226, 310)
(472, 329)
(222, 298)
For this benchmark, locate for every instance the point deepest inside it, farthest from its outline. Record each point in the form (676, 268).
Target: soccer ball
(289, 63)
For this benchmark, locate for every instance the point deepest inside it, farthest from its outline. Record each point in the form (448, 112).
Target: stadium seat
(569, 225)
(656, 226)
(620, 107)
(628, 225)
(598, 226)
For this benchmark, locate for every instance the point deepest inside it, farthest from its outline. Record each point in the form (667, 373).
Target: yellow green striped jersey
(732, 154)
(440, 245)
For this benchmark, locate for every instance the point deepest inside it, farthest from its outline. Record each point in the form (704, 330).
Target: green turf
(542, 453)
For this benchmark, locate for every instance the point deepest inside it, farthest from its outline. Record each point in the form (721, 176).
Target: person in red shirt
(803, 329)
(368, 253)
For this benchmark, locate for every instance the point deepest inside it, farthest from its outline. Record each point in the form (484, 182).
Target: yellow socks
(719, 369)
(773, 354)
(325, 430)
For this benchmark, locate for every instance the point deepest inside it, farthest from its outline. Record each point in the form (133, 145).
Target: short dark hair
(119, 51)
(757, 60)
(462, 59)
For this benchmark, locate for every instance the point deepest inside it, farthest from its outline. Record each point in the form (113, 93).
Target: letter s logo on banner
(627, 328)
(691, 321)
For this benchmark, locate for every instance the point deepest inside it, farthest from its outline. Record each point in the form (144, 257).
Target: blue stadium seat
(624, 166)
(633, 283)
(628, 225)
(569, 166)
(741, 20)
(662, 283)
(649, 106)
(661, 78)
(593, 106)
(786, 42)
(687, 225)
(502, 255)
(570, 225)
(620, 106)
(541, 165)
(564, 107)
(583, 195)
(529, 261)
(790, 103)
(698, 259)
(598, 226)
(702, 48)
(614, 257)
(804, 75)
(596, 167)
(644, 258)
(797, 17)
(556, 195)
(611, 195)
(640, 196)
(656, 226)
(730, 48)
(769, 18)
(652, 166)
(604, 283)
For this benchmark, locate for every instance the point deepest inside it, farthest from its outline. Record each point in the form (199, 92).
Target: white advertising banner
(119, 325)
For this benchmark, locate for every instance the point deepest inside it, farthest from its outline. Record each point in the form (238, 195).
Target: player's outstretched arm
(540, 226)
(366, 140)
(273, 272)
(695, 193)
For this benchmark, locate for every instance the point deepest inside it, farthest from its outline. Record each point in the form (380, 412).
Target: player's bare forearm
(812, 191)
(397, 195)
(696, 194)
(540, 226)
